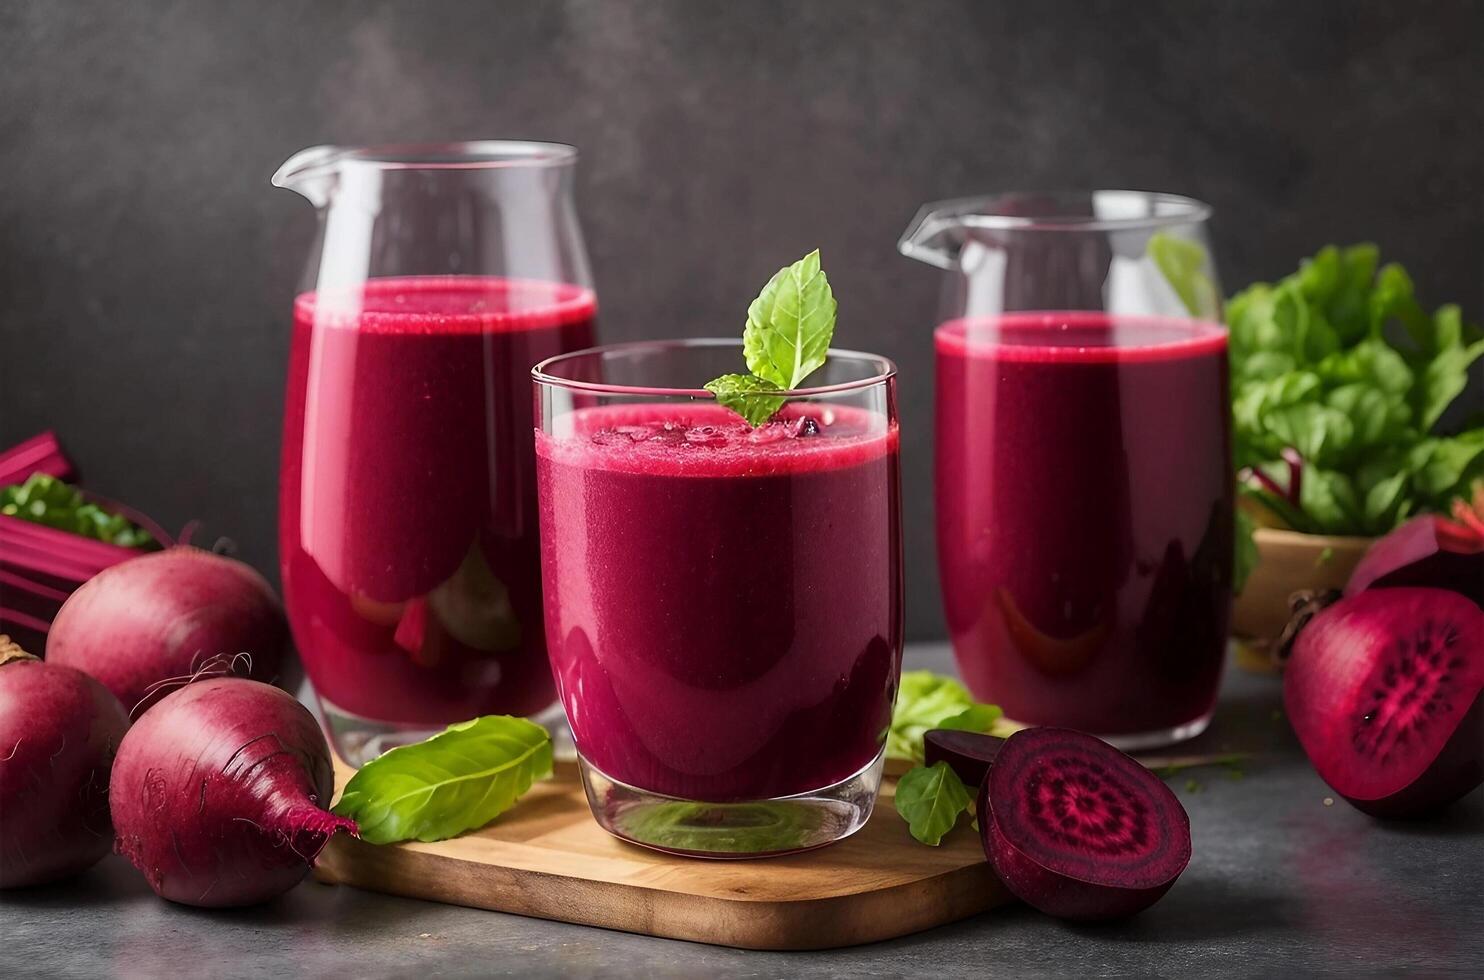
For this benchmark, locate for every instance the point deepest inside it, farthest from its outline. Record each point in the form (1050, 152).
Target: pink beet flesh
(1385, 690)
(1079, 830)
(217, 793)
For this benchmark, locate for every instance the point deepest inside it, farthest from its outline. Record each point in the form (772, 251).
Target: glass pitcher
(1082, 477)
(407, 497)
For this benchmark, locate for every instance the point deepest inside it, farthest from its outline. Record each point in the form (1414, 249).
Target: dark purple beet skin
(1079, 830)
(59, 730)
(217, 793)
(968, 754)
(162, 616)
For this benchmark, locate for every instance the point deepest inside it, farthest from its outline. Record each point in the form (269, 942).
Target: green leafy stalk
(930, 799)
(45, 500)
(926, 701)
(786, 339)
(1340, 362)
(458, 780)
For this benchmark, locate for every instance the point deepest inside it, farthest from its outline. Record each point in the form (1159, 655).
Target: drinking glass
(723, 603)
(407, 489)
(1083, 468)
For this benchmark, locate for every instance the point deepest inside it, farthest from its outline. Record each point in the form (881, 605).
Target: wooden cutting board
(548, 858)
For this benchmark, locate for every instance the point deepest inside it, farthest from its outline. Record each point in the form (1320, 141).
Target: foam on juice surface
(710, 440)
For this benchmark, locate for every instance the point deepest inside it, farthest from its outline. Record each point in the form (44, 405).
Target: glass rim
(453, 155)
(886, 370)
(986, 211)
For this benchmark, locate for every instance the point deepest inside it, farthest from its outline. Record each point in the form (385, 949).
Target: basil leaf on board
(458, 780)
(790, 323)
(747, 396)
(926, 701)
(930, 799)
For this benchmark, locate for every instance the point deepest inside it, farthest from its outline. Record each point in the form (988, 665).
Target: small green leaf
(975, 718)
(930, 799)
(926, 700)
(790, 323)
(1328, 498)
(457, 780)
(1184, 265)
(1322, 435)
(1443, 379)
(1445, 468)
(747, 396)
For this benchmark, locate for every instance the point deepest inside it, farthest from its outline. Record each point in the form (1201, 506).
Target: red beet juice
(723, 604)
(1084, 512)
(407, 511)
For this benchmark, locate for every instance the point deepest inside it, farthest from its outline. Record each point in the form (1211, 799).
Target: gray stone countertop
(1280, 884)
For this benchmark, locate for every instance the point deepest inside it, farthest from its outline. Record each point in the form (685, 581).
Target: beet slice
(1385, 690)
(1426, 551)
(968, 754)
(1079, 830)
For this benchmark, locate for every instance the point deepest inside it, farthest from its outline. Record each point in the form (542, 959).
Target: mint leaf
(930, 800)
(459, 779)
(790, 323)
(786, 339)
(746, 395)
(925, 701)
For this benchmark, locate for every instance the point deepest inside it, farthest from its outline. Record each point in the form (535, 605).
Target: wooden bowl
(1287, 562)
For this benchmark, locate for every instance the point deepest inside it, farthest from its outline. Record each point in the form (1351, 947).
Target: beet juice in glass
(723, 601)
(407, 505)
(1083, 479)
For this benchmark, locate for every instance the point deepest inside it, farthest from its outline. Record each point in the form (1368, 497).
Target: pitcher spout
(937, 233)
(310, 172)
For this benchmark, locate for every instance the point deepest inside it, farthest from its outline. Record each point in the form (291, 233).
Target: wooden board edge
(818, 923)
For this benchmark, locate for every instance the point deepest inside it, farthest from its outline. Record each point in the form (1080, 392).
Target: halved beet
(1429, 551)
(1079, 830)
(968, 754)
(1385, 690)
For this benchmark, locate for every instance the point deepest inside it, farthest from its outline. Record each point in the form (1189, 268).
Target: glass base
(1160, 738)
(748, 829)
(358, 740)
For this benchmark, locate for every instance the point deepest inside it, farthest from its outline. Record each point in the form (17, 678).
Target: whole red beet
(59, 729)
(162, 617)
(217, 793)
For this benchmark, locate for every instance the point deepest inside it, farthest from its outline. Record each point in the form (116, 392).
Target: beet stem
(1295, 473)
